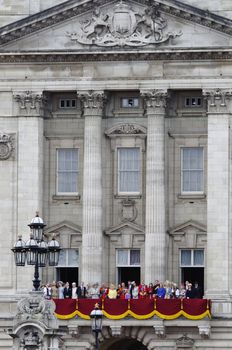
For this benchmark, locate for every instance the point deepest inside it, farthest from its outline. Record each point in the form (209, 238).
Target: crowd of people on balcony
(166, 290)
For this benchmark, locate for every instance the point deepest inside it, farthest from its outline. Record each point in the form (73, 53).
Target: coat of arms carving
(124, 27)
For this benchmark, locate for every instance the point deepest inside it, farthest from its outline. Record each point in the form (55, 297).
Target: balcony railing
(169, 309)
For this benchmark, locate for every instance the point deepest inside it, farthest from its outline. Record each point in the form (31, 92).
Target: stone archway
(122, 344)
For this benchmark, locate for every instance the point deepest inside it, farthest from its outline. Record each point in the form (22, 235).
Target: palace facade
(115, 124)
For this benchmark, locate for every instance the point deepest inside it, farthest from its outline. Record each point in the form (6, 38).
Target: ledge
(66, 198)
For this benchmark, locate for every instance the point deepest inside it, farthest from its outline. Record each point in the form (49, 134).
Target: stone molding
(6, 146)
(218, 100)
(128, 210)
(61, 12)
(93, 102)
(71, 57)
(29, 103)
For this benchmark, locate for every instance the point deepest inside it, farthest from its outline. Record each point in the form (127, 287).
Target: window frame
(128, 257)
(67, 253)
(192, 257)
(129, 193)
(59, 193)
(191, 105)
(65, 101)
(182, 171)
(129, 98)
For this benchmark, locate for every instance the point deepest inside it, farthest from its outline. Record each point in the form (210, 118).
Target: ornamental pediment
(109, 26)
(188, 227)
(125, 228)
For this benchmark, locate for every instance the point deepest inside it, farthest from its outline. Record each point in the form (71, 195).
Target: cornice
(74, 57)
(72, 8)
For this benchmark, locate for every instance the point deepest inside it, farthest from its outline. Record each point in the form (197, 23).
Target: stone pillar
(29, 111)
(92, 236)
(155, 238)
(218, 192)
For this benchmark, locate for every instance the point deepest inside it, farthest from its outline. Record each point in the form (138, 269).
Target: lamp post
(96, 316)
(36, 251)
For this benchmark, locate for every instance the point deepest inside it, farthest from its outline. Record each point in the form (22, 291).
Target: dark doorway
(126, 274)
(67, 274)
(122, 344)
(193, 274)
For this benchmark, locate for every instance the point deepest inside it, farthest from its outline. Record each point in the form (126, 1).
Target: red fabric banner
(138, 308)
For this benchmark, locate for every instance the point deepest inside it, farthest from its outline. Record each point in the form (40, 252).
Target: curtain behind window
(128, 169)
(67, 170)
(192, 169)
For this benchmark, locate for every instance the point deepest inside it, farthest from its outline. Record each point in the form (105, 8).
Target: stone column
(28, 108)
(218, 192)
(92, 239)
(155, 238)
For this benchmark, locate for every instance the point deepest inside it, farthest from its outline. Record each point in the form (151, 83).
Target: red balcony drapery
(193, 309)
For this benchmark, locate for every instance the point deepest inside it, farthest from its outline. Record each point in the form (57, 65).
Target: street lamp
(96, 316)
(36, 251)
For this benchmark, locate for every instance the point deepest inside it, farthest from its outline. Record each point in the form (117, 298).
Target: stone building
(115, 124)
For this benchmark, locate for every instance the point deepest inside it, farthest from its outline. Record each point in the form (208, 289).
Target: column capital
(30, 103)
(218, 100)
(155, 100)
(93, 102)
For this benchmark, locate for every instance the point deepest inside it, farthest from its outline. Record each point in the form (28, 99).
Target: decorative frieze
(29, 103)
(6, 146)
(218, 99)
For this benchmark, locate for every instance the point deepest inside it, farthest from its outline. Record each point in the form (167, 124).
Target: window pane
(128, 169)
(73, 257)
(135, 257)
(185, 257)
(192, 169)
(62, 257)
(198, 257)
(67, 167)
(122, 257)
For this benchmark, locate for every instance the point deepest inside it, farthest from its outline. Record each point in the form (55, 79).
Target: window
(67, 103)
(67, 170)
(192, 170)
(192, 257)
(128, 257)
(131, 102)
(192, 102)
(69, 258)
(128, 170)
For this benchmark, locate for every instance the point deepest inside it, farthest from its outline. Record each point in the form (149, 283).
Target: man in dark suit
(67, 291)
(81, 291)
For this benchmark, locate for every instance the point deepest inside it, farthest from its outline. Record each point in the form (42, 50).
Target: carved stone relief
(29, 102)
(124, 27)
(6, 146)
(128, 210)
(217, 99)
(185, 343)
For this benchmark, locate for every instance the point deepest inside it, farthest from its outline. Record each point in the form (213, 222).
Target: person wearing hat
(112, 293)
